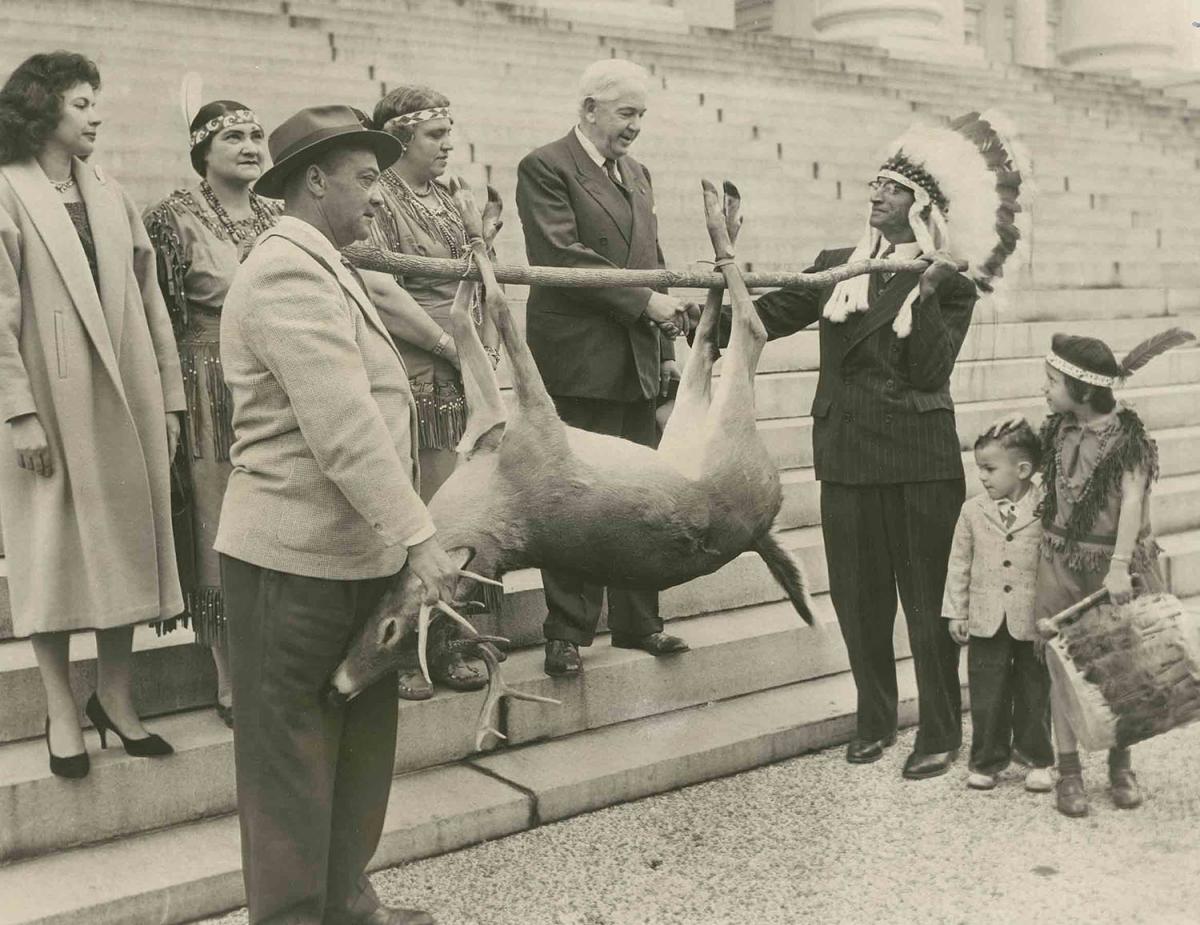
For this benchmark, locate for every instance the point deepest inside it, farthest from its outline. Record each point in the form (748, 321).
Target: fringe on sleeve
(172, 262)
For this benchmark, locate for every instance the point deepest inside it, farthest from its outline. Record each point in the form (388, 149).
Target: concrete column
(880, 22)
(793, 17)
(1116, 36)
(1030, 33)
(993, 27)
(954, 21)
(717, 14)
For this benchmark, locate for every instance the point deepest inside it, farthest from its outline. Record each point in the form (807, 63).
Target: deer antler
(497, 686)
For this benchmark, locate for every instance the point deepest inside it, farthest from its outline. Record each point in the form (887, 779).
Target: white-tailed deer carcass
(532, 492)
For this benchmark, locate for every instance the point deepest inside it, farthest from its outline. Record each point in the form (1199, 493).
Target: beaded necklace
(261, 218)
(1075, 490)
(442, 221)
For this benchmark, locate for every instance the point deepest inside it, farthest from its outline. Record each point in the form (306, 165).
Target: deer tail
(786, 569)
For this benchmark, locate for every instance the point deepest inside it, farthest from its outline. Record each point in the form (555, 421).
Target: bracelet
(1116, 558)
(440, 347)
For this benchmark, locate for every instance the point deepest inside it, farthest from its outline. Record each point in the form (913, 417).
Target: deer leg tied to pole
(531, 492)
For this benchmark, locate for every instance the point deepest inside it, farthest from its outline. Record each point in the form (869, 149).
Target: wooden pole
(396, 264)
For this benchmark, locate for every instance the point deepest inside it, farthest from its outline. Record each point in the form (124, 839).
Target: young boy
(989, 600)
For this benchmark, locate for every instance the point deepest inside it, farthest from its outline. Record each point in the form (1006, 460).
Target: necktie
(610, 168)
(1008, 514)
(884, 256)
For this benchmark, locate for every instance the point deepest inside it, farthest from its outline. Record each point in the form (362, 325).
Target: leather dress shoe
(562, 658)
(654, 643)
(860, 751)
(934, 764)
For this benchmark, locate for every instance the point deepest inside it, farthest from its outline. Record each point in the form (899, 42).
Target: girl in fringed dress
(1098, 469)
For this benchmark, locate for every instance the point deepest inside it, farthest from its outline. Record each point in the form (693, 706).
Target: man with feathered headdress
(885, 446)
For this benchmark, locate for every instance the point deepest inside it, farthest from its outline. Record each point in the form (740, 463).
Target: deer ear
(484, 439)
(460, 555)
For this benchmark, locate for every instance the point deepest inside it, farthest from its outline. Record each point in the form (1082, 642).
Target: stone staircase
(797, 124)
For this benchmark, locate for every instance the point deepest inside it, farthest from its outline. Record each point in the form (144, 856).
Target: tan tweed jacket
(324, 479)
(992, 570)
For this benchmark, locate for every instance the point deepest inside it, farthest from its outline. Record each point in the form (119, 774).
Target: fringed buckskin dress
(411, 225)
(198, 250)
(1082, 473)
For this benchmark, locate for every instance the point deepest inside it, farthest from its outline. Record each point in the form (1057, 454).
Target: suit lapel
(347, 280)
(113, 246)
(352, 284)
(598, 185)
(640, 207)
(54, 225)
(884, 307)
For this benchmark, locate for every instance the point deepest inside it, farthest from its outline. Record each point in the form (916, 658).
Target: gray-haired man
(584, 202)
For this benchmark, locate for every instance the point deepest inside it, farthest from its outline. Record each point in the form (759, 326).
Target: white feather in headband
(966, 180)
(191, 97)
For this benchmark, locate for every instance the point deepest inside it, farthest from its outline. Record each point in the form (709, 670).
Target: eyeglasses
(888, 187)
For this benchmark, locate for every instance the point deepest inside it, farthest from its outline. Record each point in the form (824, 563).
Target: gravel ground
(813, 839)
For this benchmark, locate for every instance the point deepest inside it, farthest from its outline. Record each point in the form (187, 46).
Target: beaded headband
(905, 171)
(1078, 372)
(415, 118)
(215, 124)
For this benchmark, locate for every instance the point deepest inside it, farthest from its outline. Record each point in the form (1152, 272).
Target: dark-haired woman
(420, 218)
(201, 235)
(90, 399)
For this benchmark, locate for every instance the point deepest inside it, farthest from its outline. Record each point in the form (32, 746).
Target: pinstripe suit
(887, 455)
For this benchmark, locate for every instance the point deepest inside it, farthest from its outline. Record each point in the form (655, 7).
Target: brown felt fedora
(311, 131)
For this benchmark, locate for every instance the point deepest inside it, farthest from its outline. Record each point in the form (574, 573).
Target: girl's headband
(415, 118)
(1067, 368)
(215, 124)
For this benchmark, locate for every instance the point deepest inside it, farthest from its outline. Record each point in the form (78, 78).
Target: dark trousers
(312, 777)
(572, 604)
(879, 538)
(1010, 703)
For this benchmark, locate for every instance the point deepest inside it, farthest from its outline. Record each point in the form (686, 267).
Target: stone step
(169, 674)
(172, 674)
(733, 653)
(185, 872)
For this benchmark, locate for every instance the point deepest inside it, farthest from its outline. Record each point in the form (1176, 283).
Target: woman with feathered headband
(201, 235)
(419, 217)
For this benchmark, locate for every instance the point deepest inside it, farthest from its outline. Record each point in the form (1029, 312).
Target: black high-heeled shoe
(73, 767)
(150, 746)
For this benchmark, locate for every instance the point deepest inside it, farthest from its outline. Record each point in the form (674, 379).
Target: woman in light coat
(90, 395)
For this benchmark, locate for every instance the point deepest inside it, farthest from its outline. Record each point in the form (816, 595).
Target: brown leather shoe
(654, 643)
(860, 751)
(412, 685)
(934, 764)
(562, 658)
(1070, 797)
(1126, 794)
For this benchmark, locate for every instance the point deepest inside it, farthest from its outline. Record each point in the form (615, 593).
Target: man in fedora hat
(320, 513)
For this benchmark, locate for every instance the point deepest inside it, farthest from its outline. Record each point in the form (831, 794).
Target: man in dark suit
(887, 456)
(604, 354)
